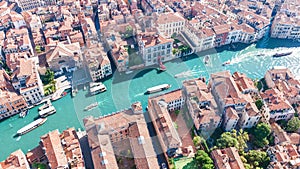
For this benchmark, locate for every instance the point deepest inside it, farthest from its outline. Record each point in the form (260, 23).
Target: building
(227, 158)
(63, 150)
(279, 107)
(98, 62)
(201, 106)
(26, 80)
(286, 23)
(17, 40)
(170, 23)
(117, 50)
(283, 79)
(174, 99)
(154, 48)
(286, 155)
(163, 124)
(109, 135)
(280, 136)
(28, 5)
(16, 160)
(237, 107)
(10, 102)
(64, 57)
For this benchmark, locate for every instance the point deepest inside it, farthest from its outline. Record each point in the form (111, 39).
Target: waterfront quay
(123, 89)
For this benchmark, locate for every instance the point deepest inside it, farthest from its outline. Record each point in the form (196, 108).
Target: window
(169, 45)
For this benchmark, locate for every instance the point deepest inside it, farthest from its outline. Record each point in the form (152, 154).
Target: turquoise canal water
(123, 89)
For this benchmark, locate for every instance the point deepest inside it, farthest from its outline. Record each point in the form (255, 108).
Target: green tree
(260, 134)
(203, 158)
(257, 158)
(259, 104)
(197, 141)
(226, 140)
(48, 77)
(293, 124)
(233, 139)
(208, 166)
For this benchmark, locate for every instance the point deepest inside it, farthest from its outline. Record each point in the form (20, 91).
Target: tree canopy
(259, 104)
(257, 158)
(203, 160)
(260, 134)
(233, 139)
(293, 124)
(48, 77)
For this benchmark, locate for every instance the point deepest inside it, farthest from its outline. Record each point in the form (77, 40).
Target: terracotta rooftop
(16, 160)
(227, 158)
(54, 151)
(166, 18)
(100, 129)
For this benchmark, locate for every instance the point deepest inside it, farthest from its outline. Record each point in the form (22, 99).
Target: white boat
(226, 63)
(23, 114)
(91, 106)
(48, 111)
(158, 88)
(59, 94)
(128, 72)
(74, 91)
(46, 105)
(31, 126)
(96, 88)
(206, 59)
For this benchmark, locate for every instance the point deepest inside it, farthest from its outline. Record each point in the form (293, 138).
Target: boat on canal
(23, 114)
(96, 88)
(226, 63)
(91, 106)
(158, 88)
(277, 55)
(48, 111)
(45, 105)
(206, 59)
(31, 126)
(59, 94)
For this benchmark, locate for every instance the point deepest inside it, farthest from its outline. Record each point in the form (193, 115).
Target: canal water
(123, 89)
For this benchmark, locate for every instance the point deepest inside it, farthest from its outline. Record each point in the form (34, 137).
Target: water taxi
(31, 126)
(128, 72)
(46, 105)
(158, 88)
(74, 91)
(91, 106)
(277, 55)
(23, 114)
(48, 111)
(96, 88)
(226, 63)
(206, 59)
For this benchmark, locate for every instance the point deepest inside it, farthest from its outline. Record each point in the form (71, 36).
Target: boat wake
(18, 138)
(189, 73)
(139, 94)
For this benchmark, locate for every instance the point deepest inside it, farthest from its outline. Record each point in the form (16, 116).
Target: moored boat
(31, 126)
(276, 55)
(158, 88)
(45, 105)
(23, 114)
(48, 111)
(96, 88)
(59, 94)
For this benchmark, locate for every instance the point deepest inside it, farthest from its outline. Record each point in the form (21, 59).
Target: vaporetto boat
(31, 126)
